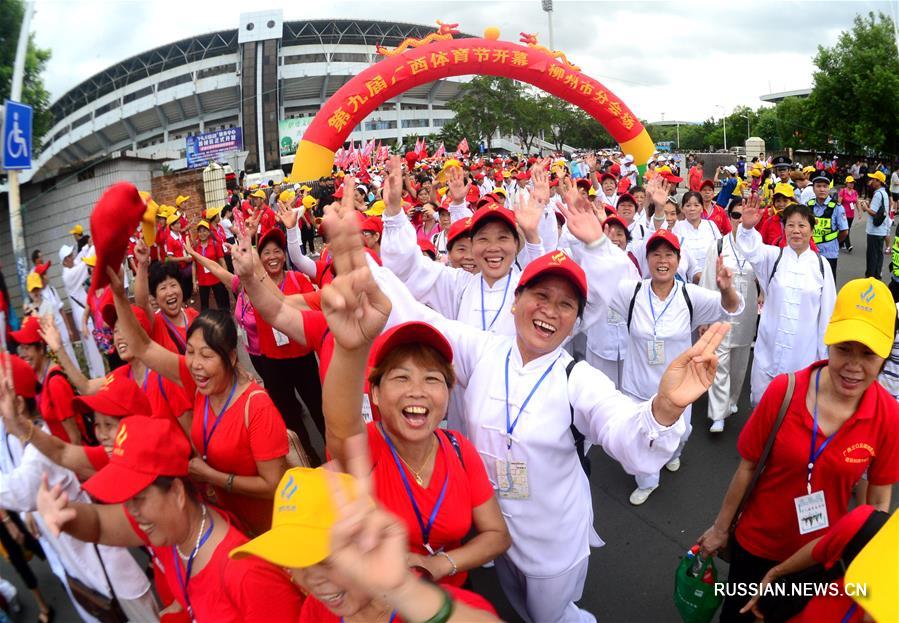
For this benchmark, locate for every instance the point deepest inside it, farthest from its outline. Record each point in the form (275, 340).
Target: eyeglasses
(736, 215)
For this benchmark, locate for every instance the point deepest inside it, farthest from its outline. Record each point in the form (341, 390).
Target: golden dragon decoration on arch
(443, 32)
(531, 41)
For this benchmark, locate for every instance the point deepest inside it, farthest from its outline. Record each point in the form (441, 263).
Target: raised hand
(657, 190)
(591, 162)
(455, 182)
(540, 178)
(583, 222)
(53, 505)
(142, 252)
(724, 276)
(392, 190)
(7, 388)
(751, 211)
(692, 372)
(50, 334)
(368, 544)
(116, 283)
(287, 215)
(254, 218)
(528, 213)
(242, 254)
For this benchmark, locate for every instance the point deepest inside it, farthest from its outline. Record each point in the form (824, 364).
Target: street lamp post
(548, 7)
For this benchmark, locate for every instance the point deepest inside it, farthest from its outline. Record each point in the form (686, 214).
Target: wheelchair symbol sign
(17, 136)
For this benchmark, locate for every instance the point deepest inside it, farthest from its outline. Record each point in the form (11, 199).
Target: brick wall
(166, 188)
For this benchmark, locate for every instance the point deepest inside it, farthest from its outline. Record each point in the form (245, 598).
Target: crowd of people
(425, 351)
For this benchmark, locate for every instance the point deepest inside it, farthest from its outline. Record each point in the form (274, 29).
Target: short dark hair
(802, 209)
(166, 482)
(219, 333)
(422, 354)
(637, 189)
(452, 243)
(34, 255)
(690, 194)
(581, 301)
(497, 219)
(160, 271)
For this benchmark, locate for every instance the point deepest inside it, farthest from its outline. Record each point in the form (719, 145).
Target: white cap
(65, 251)
(628, 159)
(731, 169)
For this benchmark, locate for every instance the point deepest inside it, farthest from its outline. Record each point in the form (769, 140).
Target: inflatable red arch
(408, 67)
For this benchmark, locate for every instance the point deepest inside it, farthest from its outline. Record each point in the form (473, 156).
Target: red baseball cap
(117, 214)
(708, 183)
(41, 269)
(29, 333)
(584, 184)
(626, 197)
(456, 230)
(663, 236)
(607, 176)
(273, 235)
(523, 176)
(615, 220)
(372, 224)
(672, 178)
(474, 194)
(24, 381)
(615, 169)
(492, 211)
(145, 449)
(119, 397)
(110, 317)
(428, 247)
(556, 263)
(414, 332)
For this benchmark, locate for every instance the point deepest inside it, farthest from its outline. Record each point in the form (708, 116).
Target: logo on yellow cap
(869, 294)
(289, 489)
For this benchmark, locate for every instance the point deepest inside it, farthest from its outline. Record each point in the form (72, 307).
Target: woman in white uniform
(695, 233)
(661, 313)
(525, 399)
(799, 295)
(733, 354)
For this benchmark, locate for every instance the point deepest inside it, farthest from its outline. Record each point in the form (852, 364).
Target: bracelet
(595, 243)
(451, 561)
(230, 483)
(446, 610)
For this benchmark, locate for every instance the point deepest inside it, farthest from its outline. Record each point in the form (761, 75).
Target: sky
(681, 59)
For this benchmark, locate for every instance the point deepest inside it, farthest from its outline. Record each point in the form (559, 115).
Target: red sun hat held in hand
(115, 217)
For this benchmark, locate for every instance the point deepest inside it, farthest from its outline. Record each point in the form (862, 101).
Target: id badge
(280, 338)
(655, 352)
(366, 409)
(811, 512)
(242, 334)
(512, 478)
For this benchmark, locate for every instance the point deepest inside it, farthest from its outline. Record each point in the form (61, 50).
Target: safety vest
(824, 231)
(894, 262)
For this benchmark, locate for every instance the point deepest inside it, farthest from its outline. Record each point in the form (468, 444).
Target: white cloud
(680, 58)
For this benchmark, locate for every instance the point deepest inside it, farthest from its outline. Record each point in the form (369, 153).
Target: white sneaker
(673, 465)
(734, 409)
(717, 426)
(641, 495)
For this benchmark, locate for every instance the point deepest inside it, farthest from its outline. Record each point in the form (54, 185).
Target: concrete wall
(51, 208)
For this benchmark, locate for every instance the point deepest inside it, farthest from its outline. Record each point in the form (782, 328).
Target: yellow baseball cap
(784, 190)
(849, 179)
(306, 188)
(877, 568)
(171, 218)
(591, 192)
(879, 176)
(203, 224)
(259, 193)
(309, 202)
(287, 196)
(33, 282)
(301, 521)
(165, 211)
(449, 164)
(864, 312)
(90, 261)
(376, 209)
(500, 191)
(181, 199)
(77, 230)
(211, 213)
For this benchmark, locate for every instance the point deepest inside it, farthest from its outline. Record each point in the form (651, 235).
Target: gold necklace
(414, 471)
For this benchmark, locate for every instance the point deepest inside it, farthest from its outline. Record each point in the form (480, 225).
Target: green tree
(33, 91)
(526, 119)
(855, 99)
(483, 107)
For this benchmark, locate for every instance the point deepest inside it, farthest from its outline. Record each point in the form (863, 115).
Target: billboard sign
(209, 146)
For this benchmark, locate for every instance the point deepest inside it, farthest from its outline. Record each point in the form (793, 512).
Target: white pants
(611, 368)
(63, 329)
(649, 481)
(91, 352)
(759, 382)
(725, 391)
(545, 600)
(144, 609)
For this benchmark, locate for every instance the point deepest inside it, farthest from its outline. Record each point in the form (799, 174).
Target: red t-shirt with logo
(169, 335)
(246, 590)
(167, 399)
(55, 402)
(315, 611)
(719, 217)
(293, 283)
(467, 487)
(235, 448)
(866, 441)
(210, 251)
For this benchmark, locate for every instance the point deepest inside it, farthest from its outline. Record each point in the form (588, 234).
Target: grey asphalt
(631, 578)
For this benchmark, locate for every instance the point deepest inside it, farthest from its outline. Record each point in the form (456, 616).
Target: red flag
(384, 154)
(463, 146)
(441, 151)
(369, 146)
(419, 146)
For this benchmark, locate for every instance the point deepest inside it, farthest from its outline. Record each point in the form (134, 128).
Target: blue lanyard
(511, 424)
(814, 454)
(425, 529)
(484, 325)
(218, 418)
(174, 329)
(146, 377)
(848, 615)
(184, 579)
(655, 319)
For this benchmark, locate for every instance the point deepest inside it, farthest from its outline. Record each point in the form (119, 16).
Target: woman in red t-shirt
(840, 426)
(238, 436)
(204, 281)
(148, 500)
(287, 366)
(434, 479)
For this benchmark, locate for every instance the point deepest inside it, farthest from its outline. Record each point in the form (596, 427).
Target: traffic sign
(16, 136)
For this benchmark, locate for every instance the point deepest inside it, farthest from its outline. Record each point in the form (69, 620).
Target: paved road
(631, 579)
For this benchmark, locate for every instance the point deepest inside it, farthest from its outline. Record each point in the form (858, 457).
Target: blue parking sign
(16, 136)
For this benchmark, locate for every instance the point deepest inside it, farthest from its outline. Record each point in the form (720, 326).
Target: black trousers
(874, 257)
(848, 243)
(219, 292)
(284, 379)
(744, 568)
(833, 266)
(894, 290)
(307, 238)
(16, 553)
